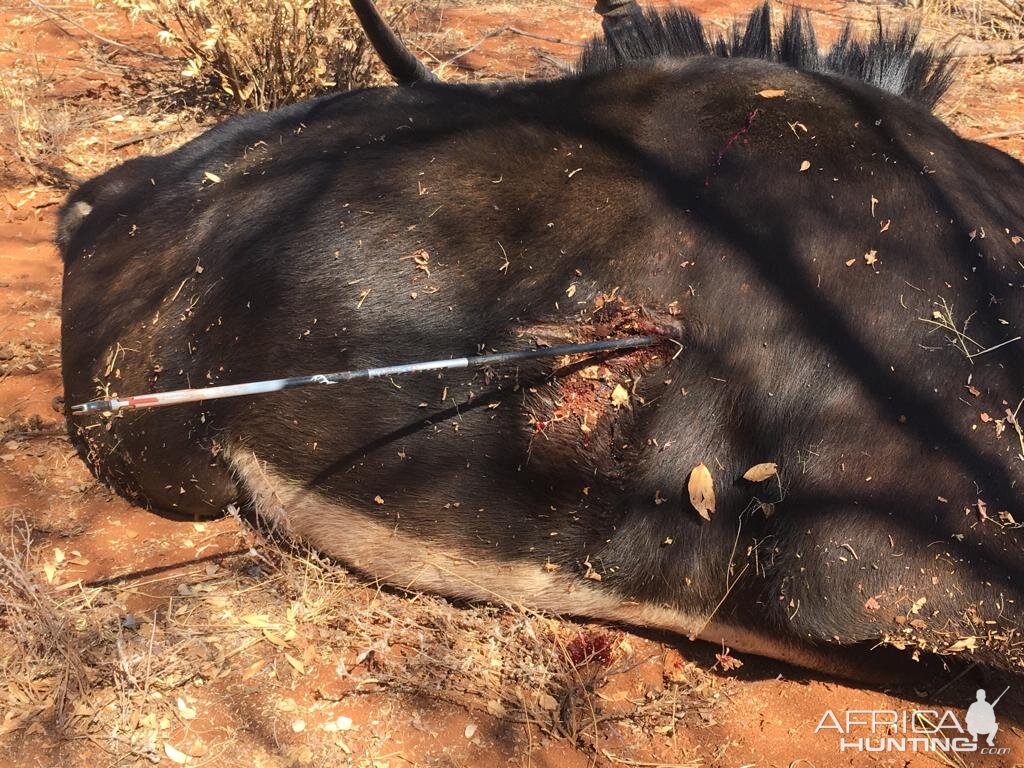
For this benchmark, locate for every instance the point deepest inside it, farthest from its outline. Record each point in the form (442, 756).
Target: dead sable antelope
(838, 279)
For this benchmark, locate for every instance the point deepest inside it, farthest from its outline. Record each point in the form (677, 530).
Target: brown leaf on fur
(701, 487)
(761, 472)
(963, 644)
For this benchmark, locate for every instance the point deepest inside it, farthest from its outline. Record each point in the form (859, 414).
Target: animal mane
(889, 59)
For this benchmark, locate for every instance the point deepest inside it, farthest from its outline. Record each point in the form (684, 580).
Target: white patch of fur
(386, 553)
(405, 560)
(71, 219)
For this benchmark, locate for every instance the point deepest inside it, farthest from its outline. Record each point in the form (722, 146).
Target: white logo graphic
(981, 717)
(918, 730)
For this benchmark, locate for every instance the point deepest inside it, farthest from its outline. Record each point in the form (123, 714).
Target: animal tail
(400, 61)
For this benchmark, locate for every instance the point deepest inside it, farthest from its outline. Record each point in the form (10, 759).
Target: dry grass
(120, 671)
(986, 19)
(943, 318)
(34, 127)
(262, 54)
(82, 667)
(46, 670)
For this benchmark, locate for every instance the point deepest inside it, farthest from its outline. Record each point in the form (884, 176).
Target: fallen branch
(53, 175)
(554, 61)
(142, 137)
(477, 44)
(999, 135)
(988, 48)
(514, 31)
(545, 38)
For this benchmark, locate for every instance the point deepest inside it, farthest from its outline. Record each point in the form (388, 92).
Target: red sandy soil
(765, 714)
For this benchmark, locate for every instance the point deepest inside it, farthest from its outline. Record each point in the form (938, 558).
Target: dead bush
(265, 626)
(41, 659)
(989, 19)
(34, 127)
(262, 54)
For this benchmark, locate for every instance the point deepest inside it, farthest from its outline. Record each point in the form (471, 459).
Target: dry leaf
(273, 637)
(805, 166)
(964, 644)
(727, 662)
(287, 705)
(378, 499)
(548, 702)
(175, 755)
(771, 93)
(297, 665)
(701, 487)
(620, 396)
(871, 257)
(211, 177)
(198, 749)
(761, 472)
(496, 708)
(252, 670)
(186, 712)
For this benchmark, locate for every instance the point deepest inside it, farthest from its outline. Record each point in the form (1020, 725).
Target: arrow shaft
(182, 396)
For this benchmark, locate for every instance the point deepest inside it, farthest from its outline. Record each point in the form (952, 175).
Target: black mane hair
(888, 60)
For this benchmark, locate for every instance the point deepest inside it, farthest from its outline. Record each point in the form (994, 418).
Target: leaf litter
(295, 621)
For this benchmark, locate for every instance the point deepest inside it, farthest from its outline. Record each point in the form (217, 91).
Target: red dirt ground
(765, 713)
